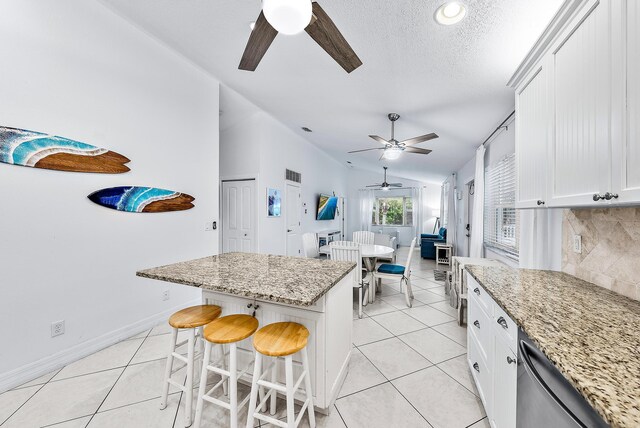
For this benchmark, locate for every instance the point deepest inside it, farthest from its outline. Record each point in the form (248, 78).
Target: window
(393, 211)
(501, 220)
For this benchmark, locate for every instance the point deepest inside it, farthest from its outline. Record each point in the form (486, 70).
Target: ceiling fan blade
(417, 150)
(395, 184)
(420, 139)
(375, 185)
(327, 35)
(366, 150)
(259, 41)
(380, 139)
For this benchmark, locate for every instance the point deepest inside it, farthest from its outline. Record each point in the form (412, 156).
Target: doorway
(238, 216)
(293, 219)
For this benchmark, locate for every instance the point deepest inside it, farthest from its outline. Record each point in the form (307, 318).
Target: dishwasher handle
(526, 351)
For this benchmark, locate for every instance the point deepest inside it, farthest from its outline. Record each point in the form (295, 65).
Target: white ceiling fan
(384, 185)
(393, 148)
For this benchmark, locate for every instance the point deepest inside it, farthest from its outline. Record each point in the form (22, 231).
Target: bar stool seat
(281, 339)
(195, 316)
(230, 329)
(190, 319)
(225, 331)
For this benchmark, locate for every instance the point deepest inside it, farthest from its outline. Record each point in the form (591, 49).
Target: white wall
(359, 179)
(74, 69)
(259, 146)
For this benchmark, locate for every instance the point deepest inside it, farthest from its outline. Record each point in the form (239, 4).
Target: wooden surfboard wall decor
(38, 150)
(142, 199)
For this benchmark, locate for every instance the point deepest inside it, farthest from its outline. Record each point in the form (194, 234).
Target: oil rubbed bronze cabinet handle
(511, 360)
(476, 367)
(477, 291)
(503, 322)
(540, 202)
(476, 323)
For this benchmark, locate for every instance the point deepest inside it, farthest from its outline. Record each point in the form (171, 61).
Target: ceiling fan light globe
(288, 16)
(392, 153)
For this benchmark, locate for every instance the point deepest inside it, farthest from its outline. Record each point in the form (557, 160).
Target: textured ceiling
(448, 80)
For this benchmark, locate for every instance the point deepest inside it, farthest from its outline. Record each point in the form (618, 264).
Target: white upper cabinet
(626, 178)
(580, 143)
(578, 95)
(532, 116)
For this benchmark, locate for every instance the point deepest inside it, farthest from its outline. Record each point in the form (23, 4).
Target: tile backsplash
(610, 254)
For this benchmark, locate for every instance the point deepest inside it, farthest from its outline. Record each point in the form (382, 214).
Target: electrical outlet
(577, 244)
(57, 328)
(165, 295)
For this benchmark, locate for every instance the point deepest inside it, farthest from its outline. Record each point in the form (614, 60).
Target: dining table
(370, 254)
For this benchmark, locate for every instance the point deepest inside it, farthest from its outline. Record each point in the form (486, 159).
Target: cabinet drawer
(481, 373)
(506, 329)
(479, 293)
(479, 325)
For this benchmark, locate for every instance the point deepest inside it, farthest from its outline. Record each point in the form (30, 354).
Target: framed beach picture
(274, 202)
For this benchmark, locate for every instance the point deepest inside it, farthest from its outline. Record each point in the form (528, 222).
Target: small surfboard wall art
(38, 150)
(142, 199)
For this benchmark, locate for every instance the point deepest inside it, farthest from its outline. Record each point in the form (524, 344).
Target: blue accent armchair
(427, 243)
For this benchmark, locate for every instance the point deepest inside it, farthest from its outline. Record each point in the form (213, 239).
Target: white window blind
(501, 220)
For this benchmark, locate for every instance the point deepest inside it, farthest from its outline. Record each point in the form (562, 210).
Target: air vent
(296, 177)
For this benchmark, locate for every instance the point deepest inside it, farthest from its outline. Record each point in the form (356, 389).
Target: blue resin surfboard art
(38, 150)
(142, 199)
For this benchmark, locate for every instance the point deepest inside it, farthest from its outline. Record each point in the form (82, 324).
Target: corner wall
(73, 68)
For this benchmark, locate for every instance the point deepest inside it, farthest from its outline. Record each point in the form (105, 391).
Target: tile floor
(408, 369)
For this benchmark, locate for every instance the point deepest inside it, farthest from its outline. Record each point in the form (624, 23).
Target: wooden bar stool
(191, 319)
(279, 340)
(227, 330)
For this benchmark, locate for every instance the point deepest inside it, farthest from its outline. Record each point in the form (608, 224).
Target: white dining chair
(347, 251)
(364, 237)
(310, 245)
(403, 273)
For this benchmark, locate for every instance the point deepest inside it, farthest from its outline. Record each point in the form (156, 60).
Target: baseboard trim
(26, 373)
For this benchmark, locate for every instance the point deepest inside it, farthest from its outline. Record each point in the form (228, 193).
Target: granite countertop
(591, 334)
(290, 280)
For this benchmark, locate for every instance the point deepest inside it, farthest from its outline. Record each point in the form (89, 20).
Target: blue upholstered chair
(428, 241)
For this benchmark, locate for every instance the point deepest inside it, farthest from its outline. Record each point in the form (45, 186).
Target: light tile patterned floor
(408, 369)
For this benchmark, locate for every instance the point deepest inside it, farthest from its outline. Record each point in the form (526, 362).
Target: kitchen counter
(315, 293)
(592, 335)
(290, 280)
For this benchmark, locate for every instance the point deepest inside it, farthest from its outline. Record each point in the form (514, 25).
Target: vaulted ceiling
(447, 80)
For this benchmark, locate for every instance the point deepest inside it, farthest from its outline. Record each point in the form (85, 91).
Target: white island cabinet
(314, 293)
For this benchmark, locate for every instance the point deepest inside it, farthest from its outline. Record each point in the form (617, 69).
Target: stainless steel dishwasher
(545, 398)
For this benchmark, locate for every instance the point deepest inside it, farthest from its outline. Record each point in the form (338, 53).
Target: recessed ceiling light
(305, 129)
(450, 13)
(252, 25)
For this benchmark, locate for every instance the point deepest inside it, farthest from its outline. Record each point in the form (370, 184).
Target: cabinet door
(580, 149)
(505, 379)
(532, 139)
(626, 178)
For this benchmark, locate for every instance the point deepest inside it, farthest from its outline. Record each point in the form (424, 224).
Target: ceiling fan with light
(393, 148)
(384, 185)
(292, 17)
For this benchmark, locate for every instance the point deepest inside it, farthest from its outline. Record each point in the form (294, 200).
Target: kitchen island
(314, 293)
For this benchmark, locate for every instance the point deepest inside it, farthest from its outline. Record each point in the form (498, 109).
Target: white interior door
(238, 216)
(293, 218)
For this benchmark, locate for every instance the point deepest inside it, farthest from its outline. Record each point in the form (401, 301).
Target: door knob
(608, 196)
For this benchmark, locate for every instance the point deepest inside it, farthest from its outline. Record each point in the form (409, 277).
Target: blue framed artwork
(274, 202)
